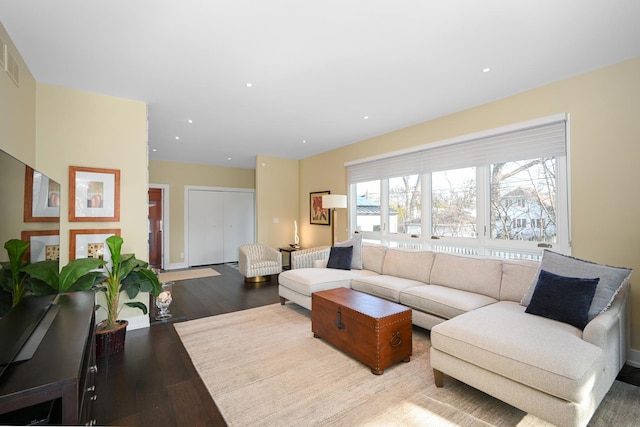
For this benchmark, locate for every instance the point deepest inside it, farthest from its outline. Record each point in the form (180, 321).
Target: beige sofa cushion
(541, 353)
(442, 301)
(387, 287)
(478, 275)
(414, 265)
(306, 281)
(373, 257)
(516, 278)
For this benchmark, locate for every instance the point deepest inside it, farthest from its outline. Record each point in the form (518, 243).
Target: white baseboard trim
(177, 266)
(138, 322)
(633, 358)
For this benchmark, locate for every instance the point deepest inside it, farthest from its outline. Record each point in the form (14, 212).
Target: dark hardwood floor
(152, 382)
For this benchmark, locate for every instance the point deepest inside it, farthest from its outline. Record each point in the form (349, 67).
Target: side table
(288, 250)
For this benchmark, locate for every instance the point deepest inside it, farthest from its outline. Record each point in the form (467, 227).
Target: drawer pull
(91, 423)
(338, 321)
(93, 369)
(92, 388)
(396, 340)
(94, 397)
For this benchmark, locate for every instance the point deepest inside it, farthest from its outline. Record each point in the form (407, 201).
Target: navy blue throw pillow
(340, 257)
(565, 299)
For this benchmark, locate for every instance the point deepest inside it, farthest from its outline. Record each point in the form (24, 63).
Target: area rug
(263, 367)
(194, 273)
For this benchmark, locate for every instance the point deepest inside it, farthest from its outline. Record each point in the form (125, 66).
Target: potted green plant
(125, 274)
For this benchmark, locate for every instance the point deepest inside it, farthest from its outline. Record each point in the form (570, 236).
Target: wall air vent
(13, 68)
(3, 54)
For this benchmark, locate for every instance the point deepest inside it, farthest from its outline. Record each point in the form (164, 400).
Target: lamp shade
(333, 201)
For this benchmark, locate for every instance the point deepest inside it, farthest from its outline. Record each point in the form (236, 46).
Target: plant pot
(110, 341)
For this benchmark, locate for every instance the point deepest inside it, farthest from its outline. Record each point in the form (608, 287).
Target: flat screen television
(22, 329)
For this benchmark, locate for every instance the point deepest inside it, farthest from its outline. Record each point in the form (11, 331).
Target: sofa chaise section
(547, 368)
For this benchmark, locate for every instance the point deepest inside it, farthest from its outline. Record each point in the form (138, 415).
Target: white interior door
(205, 227)
(239, 223)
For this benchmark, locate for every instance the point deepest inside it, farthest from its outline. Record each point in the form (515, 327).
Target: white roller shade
(532, 140)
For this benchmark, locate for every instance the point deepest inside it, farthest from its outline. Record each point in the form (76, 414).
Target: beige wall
(17, 109)
(177, 176)
(604, 131)
(276, 200)
(76, 128)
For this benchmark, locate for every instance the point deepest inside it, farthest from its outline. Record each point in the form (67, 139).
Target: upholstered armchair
(256, 261)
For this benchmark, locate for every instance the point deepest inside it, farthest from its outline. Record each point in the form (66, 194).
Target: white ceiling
(317, 67)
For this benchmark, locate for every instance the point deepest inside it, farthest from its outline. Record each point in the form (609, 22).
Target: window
(368, 213)
(500, 193)
(453, 203)
(405, 205)
(523, 200)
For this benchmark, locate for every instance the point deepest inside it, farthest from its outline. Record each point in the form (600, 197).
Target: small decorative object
(94, 194)
(296, 239)
(163, 301)
(318, 214)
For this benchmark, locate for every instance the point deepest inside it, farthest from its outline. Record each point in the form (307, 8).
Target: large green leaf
(87, 282)
(115, 246)
(16, 249)
(136, 304)
(45, 271)
(76, 269)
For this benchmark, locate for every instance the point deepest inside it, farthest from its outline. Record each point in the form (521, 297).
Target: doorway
(155, 228)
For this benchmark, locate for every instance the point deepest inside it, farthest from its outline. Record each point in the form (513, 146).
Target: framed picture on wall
(94, 194)
(41, 197)
(90, 243)
(317, 214)
(44, 245)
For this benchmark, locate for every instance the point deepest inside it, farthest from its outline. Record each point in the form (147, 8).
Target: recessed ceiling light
(366, 117)
(177, 137)
(486, 70)
(154, 150)
(190, 121)
(249, 84)
(228, 158)
(304, 141)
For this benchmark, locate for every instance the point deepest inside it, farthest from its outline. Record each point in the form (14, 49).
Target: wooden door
(155, 227)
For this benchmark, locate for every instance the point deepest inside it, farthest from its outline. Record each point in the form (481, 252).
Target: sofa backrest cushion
(414, 265)
(516, 278)
(479, 275)
(373, 257)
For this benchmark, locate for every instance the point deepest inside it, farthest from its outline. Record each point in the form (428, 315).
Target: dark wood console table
(63, 366)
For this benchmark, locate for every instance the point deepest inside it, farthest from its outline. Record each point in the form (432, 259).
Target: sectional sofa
(481, 330)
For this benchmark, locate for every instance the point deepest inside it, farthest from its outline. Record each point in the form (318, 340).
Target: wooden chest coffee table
(374, 331)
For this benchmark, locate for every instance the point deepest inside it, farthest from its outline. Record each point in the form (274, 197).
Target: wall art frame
(90, 243)
(43, 244)
(317, 214)
(94, 194)
(41, 197)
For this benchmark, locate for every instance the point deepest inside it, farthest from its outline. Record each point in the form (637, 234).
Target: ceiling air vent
(12, 68)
